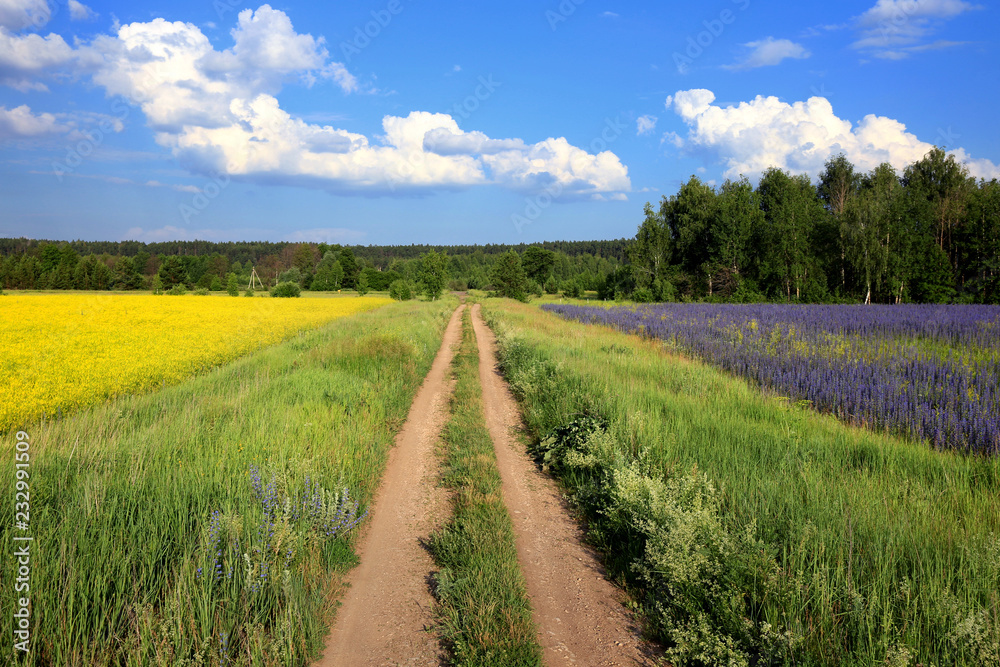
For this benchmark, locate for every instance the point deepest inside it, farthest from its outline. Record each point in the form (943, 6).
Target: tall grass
(205, 523)
(483, 597)
(759, 532)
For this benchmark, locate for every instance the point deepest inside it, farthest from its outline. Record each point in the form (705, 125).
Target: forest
(574, 266)
(928, 235)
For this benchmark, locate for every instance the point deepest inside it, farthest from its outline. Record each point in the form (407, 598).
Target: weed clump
(286, 290)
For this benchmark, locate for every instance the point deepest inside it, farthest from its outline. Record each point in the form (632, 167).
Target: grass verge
(486, 615)
(758, 533)
(204, 524)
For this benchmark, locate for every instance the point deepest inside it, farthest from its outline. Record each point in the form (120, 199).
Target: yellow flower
(62, 351)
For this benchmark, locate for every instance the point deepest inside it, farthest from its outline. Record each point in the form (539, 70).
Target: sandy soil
(387, 614)
(388, 611)
(579, 613)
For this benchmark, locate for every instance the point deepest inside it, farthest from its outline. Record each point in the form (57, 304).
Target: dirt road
(386, 613)
(388, 610)
(579, 614)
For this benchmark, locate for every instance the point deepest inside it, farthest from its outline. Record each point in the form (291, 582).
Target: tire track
(578, 611)
(387, 611)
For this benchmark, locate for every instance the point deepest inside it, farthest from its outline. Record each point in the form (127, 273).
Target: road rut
(387, 612)
(579, 613)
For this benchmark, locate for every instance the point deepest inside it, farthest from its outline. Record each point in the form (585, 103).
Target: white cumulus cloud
(769, 51)
(753, 136)
(24, 57)
(21, 123)
(218, 112)
(179, 79)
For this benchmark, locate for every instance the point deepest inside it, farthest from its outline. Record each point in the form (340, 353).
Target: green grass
(759, 532)
(486, 615)
(131, 498)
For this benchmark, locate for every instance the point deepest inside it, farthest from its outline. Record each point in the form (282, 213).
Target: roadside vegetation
(758, 532)
(484, 606)
(209, 522)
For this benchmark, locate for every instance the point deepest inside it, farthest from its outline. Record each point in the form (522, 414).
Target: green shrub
(286, 290)
(201, 291)
(232, 285)
(249, 292)
(747, 292)
(216, 285)
(664, 290)
(177, 290)
(643, 295)
(400, 290)
(362, 284)
(670, 536)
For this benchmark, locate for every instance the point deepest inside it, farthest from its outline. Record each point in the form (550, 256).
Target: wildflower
(125, 344)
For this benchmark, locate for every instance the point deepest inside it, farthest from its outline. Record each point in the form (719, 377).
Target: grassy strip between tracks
(206, 523)
(757, 532)
(486, 615)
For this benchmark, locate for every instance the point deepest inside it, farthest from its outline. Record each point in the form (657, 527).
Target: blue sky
(401, 121)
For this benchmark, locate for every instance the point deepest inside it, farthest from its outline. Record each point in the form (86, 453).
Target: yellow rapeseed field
(66, 351)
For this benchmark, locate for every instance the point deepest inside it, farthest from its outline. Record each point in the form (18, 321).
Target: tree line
(53, 265)
(928, 235)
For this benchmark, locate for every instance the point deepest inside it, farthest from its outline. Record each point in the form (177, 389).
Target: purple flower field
(928, 372)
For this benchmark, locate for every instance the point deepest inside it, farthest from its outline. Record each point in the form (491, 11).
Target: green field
(152, 544)
(208, 523)
(757, 532)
